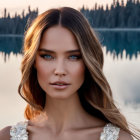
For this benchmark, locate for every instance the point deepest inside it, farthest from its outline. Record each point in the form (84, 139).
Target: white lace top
(19, 132)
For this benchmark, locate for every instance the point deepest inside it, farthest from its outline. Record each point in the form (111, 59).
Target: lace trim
(110, 132)
(19, 132)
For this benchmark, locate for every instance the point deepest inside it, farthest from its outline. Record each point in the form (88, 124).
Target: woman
(63, 83)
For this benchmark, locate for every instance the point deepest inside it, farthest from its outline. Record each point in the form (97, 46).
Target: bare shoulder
(124, 135)
(5, 133)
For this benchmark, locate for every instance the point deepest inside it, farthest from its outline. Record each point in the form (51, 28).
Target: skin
(63, 117)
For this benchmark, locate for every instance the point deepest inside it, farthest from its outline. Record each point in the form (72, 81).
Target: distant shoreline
(96, 29)
(11, 35)
(117, 29)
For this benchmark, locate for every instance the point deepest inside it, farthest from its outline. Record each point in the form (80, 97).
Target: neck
(64, 114)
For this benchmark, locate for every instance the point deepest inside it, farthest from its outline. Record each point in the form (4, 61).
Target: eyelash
(44, 56)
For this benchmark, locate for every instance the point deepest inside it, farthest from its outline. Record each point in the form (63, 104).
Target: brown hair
(95, 94)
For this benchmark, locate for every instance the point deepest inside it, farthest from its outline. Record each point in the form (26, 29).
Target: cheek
(42, 67)
(43, 73)
(78, 71)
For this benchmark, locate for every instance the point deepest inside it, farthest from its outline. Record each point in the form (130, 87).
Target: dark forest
(117, 15)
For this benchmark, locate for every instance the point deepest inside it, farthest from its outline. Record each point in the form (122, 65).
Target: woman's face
(60, 68)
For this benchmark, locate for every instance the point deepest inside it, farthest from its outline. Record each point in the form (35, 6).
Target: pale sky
(17, 6)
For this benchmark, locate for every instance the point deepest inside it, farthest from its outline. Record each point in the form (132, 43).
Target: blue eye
(46, 56)
(74, 57)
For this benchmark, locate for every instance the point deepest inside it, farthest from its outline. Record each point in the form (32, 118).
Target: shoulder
(123, 135)
(5, 133)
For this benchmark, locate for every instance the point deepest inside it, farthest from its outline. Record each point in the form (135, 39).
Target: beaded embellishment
(110, 132)
(19, 132)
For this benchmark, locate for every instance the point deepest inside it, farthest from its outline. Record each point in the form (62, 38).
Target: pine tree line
(18, 23)
(118, 15)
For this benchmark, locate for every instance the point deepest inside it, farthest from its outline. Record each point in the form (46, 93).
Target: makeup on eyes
(51, 51)
(51, 57)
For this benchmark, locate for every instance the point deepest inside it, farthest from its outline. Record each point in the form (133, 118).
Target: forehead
(58, 38)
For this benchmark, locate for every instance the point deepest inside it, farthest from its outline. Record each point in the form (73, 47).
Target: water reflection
(115, 42)
(10, 45)
(121, 67)
(124, 77)
(118, 42)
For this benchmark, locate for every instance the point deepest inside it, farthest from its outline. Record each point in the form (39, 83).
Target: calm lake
(121, 67)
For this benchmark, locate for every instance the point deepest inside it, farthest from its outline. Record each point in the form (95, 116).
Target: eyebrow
(50, 51)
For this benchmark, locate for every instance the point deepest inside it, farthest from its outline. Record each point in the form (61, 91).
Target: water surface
(121, 68)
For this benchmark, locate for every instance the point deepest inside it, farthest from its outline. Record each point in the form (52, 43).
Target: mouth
(59, 85)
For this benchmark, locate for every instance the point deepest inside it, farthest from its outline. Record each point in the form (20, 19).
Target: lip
(60, 82)
(54, 84)
(59, 86)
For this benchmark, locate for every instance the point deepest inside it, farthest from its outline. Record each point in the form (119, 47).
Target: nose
(60, 68)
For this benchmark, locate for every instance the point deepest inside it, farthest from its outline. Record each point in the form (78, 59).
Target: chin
(60, 95)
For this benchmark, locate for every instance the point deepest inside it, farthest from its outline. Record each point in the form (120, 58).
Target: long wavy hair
(95, 94)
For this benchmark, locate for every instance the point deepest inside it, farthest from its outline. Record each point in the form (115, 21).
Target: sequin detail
(110, 132)
(19, 132)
